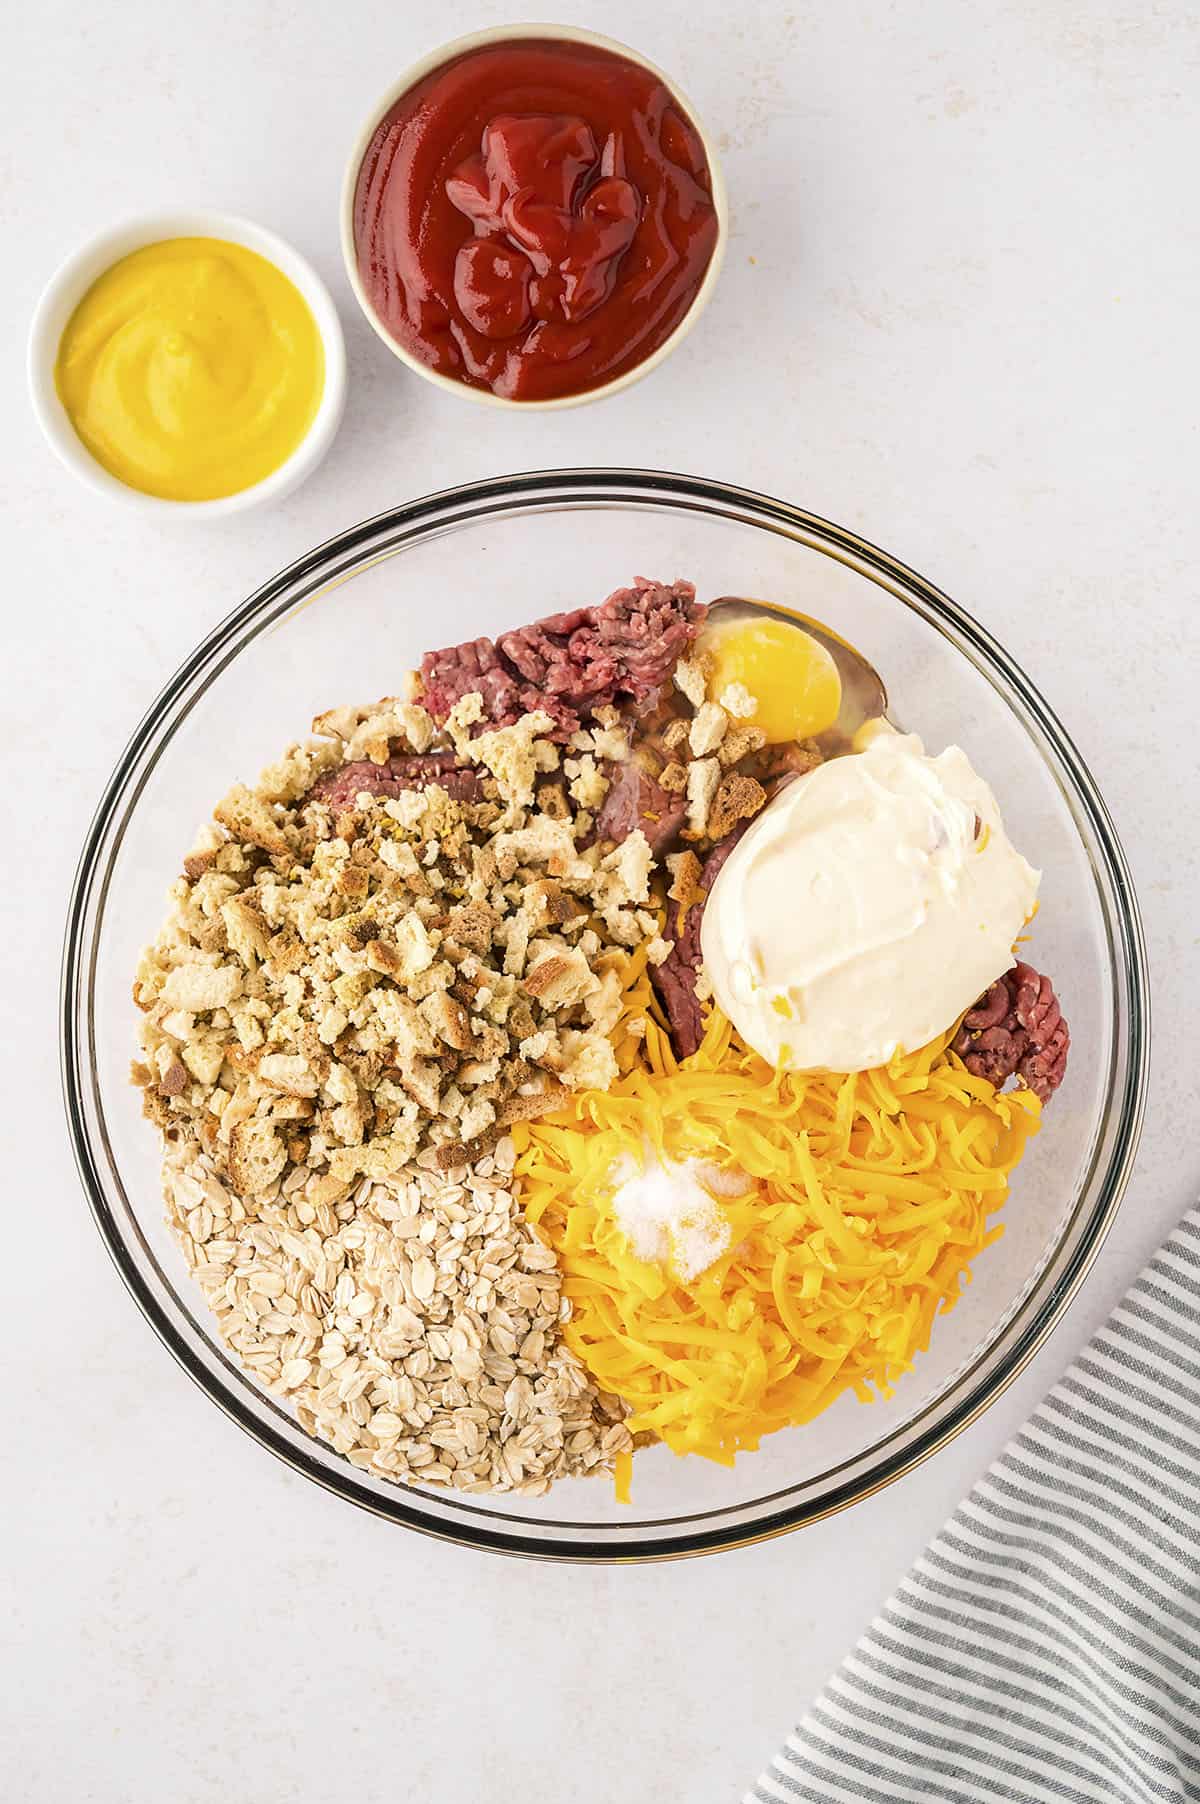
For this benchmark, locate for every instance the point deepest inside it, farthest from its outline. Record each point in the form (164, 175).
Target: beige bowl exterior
(447, 53)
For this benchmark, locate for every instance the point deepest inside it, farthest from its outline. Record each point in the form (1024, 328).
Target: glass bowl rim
(577, 487)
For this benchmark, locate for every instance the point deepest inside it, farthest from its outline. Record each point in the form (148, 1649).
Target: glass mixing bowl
(341, 625)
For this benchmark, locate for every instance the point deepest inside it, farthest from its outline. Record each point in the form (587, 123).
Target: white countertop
(958, 315)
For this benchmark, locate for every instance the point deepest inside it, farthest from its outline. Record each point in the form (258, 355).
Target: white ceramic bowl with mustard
(520, 195)
(188, 364)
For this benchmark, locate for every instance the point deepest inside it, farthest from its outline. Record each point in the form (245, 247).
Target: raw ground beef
(1017, 1030)
(675, 979)
(339, 787)
(636, 799)
(619, 653)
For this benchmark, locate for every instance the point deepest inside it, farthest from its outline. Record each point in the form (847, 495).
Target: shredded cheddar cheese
(869, 1194)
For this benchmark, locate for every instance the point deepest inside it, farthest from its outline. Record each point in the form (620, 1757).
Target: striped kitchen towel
(1046, 1646)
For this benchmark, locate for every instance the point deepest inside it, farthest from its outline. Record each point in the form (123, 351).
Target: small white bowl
(71, 282)
(507, 34)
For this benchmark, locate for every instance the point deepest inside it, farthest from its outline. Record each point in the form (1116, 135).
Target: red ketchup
(534, 218)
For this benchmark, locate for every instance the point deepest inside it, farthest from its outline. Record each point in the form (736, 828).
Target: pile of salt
(667, 1214)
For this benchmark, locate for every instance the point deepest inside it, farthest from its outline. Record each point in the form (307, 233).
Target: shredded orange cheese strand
(870, 1195)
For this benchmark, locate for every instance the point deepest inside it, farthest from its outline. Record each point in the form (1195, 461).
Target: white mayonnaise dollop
(862, 912)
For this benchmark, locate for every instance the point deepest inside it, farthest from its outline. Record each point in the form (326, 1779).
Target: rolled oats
(443, 1365)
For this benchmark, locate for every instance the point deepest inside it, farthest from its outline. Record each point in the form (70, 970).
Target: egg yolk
(793, 679)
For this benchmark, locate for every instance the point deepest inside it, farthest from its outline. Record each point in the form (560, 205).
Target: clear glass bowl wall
(342, 625)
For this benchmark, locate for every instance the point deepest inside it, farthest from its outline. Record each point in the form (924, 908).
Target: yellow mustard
(191, 369)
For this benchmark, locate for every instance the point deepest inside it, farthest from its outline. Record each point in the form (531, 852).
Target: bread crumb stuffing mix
(489, 1159)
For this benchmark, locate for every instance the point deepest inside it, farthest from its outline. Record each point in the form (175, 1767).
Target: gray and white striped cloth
(1046, 1646)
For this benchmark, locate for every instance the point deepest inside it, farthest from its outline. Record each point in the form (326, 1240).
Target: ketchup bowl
(533, 217)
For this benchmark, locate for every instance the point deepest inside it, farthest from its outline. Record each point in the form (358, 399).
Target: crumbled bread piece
(286, 952)
(675, 735)
(473, 924)
(429, 814)
(179, 1024)
(631, 863)
(673, 777)
(478, 1115)
(704, 774)
(448, 1019)
(373, 736)
(413, 944)
(552, 801)
(203, 854)
(248, 1028)
(611, 743)
(174, 1080)
(708, 729)
(401, 858)
(738, 798)
(467, 710)
(589, 1062)
(739, 743)
(354, 882)
(419, 727)
(590, 786)
(251, 821)
(547, 904)
(487, 1041)
(293, 775)
(658, 950)
(348, 1123)
(291, 1108)
(737, 700)
(257, 1155)
(508, 752)
(516, 943)
(337, 723)
(352, 986)
(439, 976)
(402, 1024)
(422, 1079)
(603, 1006)
(528, 1104)
(236, 1108)
(241, 1058)
(385, 958)
(287, 1073)
(690, 680)
(453, 1157)
(332, 1025)
(685, 870)
(536, 1046)
(202, 987)
(621, 926)
(378, 1159)
(541, 841)
(339, 1085)
(558, 979)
